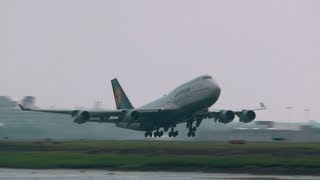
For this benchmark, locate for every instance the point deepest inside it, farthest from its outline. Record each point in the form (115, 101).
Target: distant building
(28, 101)
(6, 102)
(265, 131)
(264, 124)
(97, 105)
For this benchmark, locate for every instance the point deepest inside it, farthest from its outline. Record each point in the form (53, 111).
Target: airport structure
(6, 102)
(29, 101)
(265, 131)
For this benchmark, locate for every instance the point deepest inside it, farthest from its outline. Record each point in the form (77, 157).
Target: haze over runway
(66, 52)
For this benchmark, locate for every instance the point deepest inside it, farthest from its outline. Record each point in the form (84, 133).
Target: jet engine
(81, 117)
(226, 116)
(132, 116)
(247, 116)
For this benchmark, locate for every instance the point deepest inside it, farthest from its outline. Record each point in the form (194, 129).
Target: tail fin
(120, 96)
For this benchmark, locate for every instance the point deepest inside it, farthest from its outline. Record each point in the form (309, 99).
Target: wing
(106, 116)
(110, 116)
(226, 116)
(44, 110)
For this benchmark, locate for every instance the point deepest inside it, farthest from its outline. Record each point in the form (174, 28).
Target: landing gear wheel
(191, 133)
(189, 124)
(192, 129)
(198, 124)
(173, 133)
(158, 133)
(148, 134)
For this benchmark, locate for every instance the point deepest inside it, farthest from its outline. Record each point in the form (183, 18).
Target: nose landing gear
(192, 131)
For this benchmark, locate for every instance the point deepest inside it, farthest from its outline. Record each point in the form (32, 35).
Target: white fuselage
(193, 96)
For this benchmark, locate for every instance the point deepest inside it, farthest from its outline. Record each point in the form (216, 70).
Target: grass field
(162, 156)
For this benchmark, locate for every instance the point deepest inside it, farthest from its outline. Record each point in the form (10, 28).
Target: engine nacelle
(82, 117)
(247, 116)
(132, 116)
(226, 116)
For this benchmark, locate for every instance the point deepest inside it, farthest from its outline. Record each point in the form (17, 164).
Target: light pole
(308, 115)
(289, 109)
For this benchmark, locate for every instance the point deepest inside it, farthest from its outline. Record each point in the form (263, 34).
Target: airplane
(189, 103)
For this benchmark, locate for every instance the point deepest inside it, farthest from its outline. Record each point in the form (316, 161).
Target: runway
(28, 174)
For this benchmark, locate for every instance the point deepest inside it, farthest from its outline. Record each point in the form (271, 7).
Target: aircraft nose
(216, 90)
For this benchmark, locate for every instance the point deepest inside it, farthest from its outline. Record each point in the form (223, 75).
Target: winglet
(23, 108)
(263, 106)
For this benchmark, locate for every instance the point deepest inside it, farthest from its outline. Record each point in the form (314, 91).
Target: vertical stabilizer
(120, 96)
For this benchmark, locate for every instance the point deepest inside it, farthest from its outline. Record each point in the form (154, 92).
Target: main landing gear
(192, 129)
(158, 133)
(173, 133)
(148, 134)
(155, 134)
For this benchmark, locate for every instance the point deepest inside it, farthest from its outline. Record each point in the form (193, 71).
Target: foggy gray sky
(66, 52)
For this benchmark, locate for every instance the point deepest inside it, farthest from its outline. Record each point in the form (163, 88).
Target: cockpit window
(206, 77)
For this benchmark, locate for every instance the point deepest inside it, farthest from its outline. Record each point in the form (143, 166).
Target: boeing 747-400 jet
(188, 103)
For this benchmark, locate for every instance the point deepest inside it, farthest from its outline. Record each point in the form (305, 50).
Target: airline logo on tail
(120, 97)
(117, 97)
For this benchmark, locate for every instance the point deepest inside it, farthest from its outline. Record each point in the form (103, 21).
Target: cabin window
(207, 77)
(182, 91)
